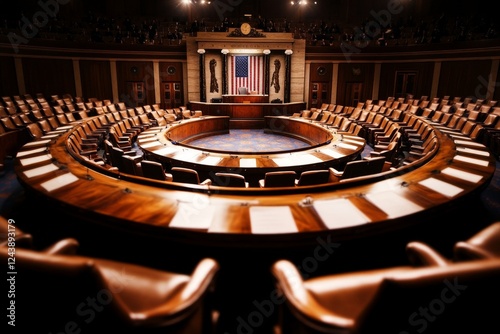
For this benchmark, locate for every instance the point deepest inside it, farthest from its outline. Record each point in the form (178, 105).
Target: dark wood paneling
(362, 73)
(49, 76)
(315, 72)
(166, 73)
(96, 79)
(423, 83)
(8, 78)
(135, 71)
(464, 78)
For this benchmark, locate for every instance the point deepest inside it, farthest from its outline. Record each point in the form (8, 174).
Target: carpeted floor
(251, 140)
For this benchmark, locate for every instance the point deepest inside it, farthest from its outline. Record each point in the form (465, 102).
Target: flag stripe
(254, 74)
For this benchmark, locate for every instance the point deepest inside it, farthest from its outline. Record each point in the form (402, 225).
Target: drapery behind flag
(246, 71)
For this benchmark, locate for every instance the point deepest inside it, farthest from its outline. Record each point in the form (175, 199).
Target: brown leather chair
(12, 236)
(187, 175)
(484, 244)
(278, 179)
(357, 168)
(57, 292)
(154, 170)
(230, 180)
(313, 177)
(402, 299)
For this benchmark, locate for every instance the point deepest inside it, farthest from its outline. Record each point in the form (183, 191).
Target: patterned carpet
(251, 140)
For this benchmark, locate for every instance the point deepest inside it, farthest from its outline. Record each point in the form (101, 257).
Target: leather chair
(278, 179)
(10, 230)
(400, 299)
(98, 295)
(187, 175)
(482, 245)
(313, 177)
(230, 180)
(242, 90)
(155, 170)
(357, 168)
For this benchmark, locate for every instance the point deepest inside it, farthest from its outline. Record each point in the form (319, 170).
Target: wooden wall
(354, 73)
(96, 79)
(464, 78)
(134, 71)
(8, 77)
(49, 76)
(424, 78)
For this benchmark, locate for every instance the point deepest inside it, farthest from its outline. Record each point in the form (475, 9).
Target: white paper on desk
(192, 217)
(460, 174)
(393, 204)
(59, 181)
(468, 143)
(471, 160)
(306, 159)
(248, 163)
(332, 153)
(147, 140)
(272, 219)
(212, 161)
(37, 142)
(40, 170)
(36, 150)
(444, 188)
(338, 213)
(165, 150)
(283, 162)
(146, 135)
(473, 151)
(34, 160)
(187, 155)
(348, 146)
(151, 144)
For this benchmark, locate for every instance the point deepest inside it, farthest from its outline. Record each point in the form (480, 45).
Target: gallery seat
(187, 175)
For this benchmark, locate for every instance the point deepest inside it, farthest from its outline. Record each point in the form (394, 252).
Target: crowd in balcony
(93, 28)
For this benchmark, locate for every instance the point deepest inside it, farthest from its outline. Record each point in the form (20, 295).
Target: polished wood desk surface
(256, 217)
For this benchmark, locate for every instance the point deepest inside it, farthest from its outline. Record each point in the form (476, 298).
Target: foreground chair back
(95, 295)
(358, 168)
(154, 170)
(484, 244)
(406, 299)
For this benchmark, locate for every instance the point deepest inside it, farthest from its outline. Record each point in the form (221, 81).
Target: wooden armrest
(65, 246)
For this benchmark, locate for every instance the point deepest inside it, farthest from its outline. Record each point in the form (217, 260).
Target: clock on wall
(245, 28)
(321, 70)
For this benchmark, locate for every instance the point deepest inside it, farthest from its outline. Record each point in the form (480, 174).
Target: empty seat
(187, 175)
(93, 295)
(155, 170)
(278, 179)
(230, 180)
(357, 168)
(400, 299)
(313, 177)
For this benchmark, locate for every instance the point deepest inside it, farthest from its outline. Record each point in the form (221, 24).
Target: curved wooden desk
(226, 217)
(170, 146)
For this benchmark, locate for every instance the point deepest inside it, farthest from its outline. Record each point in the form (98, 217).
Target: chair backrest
(363, 167)
(242, 90)
(230, 180)
(129, 164)
(153, 170)
(313, 177)
(185, 175)
(280, 179)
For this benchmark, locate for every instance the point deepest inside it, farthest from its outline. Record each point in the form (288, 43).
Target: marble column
(288, 71)
(203, 94)
(224, 70)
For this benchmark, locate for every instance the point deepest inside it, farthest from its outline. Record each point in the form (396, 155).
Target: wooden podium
(250, 98)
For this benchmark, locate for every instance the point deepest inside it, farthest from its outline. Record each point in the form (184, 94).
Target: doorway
(171, 94)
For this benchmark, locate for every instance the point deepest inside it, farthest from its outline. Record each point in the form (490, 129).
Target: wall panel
(423, 83)
(96, 79)
(464, 78)
(49, 76)
(8, 78)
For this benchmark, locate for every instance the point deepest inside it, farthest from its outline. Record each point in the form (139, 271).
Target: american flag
(246, 71)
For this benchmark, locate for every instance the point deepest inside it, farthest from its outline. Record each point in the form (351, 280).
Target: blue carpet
(251, 140)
